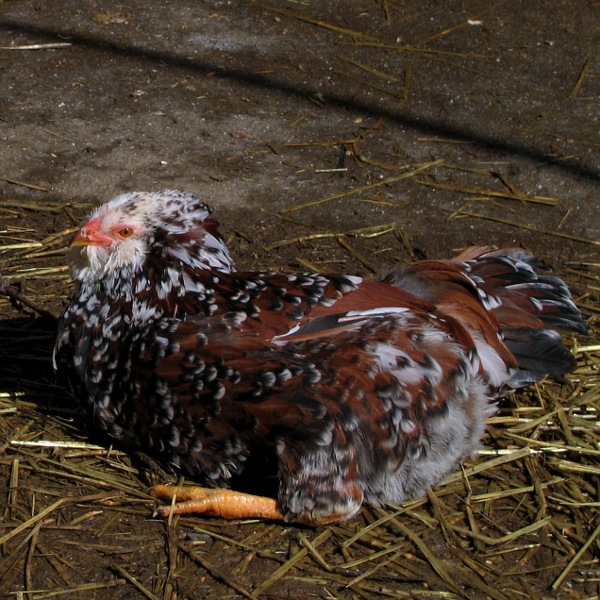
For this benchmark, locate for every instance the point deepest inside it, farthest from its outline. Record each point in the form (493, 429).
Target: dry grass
(519, 522)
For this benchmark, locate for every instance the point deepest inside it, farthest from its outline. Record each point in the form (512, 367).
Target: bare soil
(339, 136)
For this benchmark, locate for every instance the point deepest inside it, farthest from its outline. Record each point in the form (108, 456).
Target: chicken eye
(125, 232)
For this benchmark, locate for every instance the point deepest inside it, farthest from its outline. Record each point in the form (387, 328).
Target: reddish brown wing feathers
(208, 393)
(454, 295)
(336, 411)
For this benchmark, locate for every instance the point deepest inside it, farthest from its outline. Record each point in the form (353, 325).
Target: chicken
(320, 391)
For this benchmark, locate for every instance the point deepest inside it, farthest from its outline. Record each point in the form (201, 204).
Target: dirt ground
(340, 136)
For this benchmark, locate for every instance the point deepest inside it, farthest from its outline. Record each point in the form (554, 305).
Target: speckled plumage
(341, 389)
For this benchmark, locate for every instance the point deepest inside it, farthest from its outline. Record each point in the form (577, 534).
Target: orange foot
(223, 503)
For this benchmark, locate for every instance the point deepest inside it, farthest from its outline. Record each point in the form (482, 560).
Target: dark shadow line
(307, 93)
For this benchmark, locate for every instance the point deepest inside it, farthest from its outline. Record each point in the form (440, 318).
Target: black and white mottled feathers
(341, 389)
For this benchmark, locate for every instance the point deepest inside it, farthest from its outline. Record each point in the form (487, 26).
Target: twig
(573, 561)
(139, 586)
(292, 562)
(51, 46)
(370, 186)
(16, 296)
(566, 236)
(511, 195)
(582, 75)
(216, 572)
(317, 22)
(31, 186)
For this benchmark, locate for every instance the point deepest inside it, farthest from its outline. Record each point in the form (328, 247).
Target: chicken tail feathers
(512, 280)
(526, 307)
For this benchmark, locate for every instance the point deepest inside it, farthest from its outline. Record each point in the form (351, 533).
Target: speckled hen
(339, 389)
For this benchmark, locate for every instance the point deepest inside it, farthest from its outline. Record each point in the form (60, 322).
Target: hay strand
(364, 188)
(559, 234)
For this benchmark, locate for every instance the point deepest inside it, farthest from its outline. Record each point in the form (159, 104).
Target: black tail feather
(539, 352)
(514, 276)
